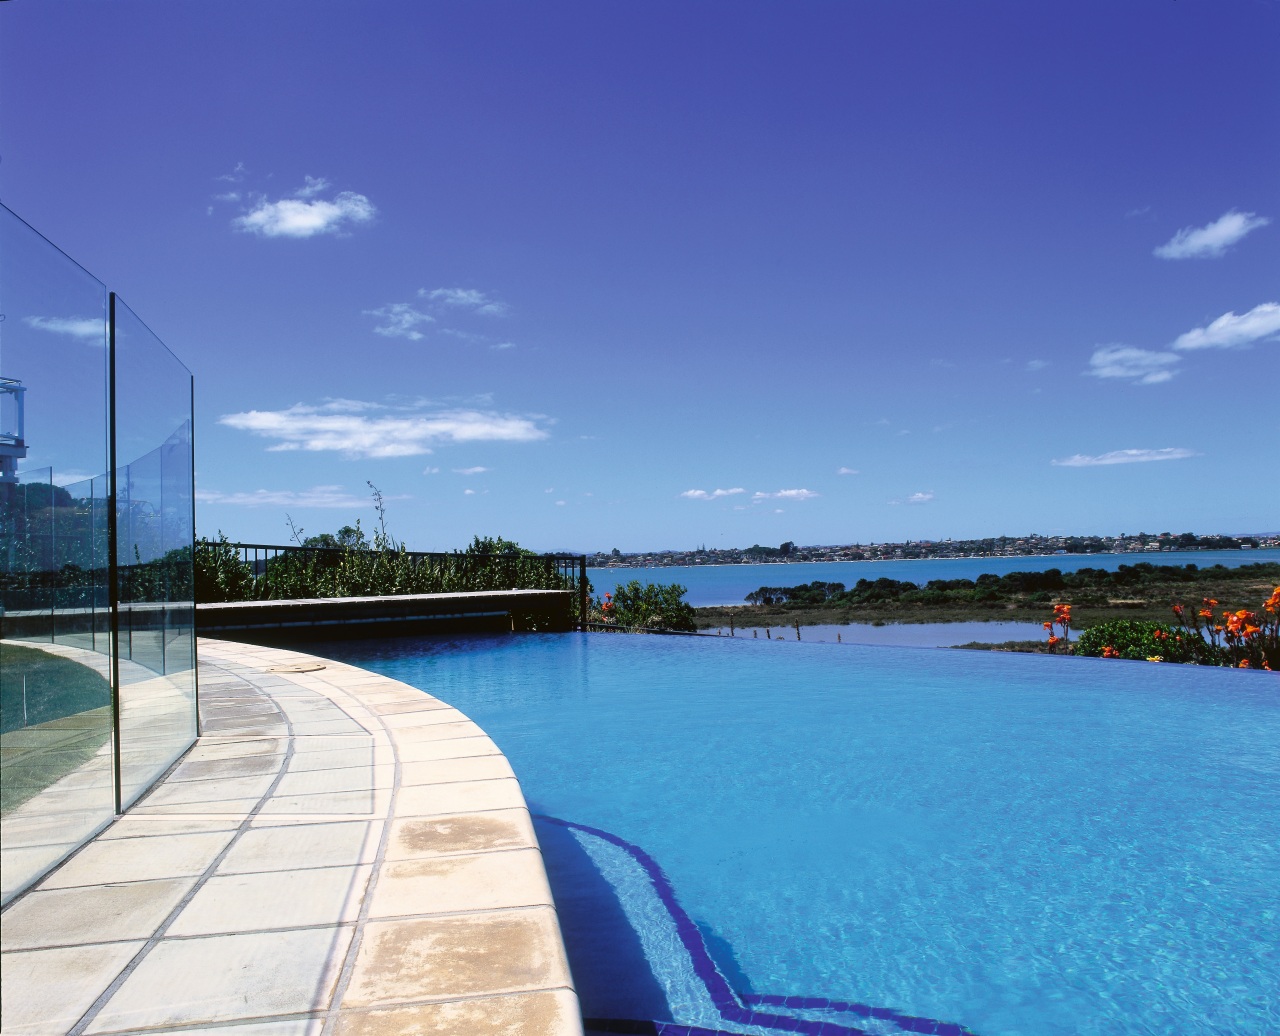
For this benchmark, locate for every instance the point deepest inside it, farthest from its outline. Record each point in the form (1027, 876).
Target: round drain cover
(298, 667)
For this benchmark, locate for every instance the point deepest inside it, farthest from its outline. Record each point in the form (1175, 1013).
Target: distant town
(992, 547)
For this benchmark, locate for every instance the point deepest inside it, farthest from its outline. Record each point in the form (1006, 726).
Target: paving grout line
(226, 1023)
(105, 996)
(357, 940)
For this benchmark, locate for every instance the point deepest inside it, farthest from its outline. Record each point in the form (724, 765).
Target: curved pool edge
(338, 852)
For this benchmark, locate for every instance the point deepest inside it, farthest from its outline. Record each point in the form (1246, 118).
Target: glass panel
(154, 555)
(56, 784)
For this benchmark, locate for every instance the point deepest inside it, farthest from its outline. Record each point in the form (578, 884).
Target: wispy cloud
(1037, 365)
(920, 498)
(847, 471)
(1081, 460)
(471, 299)
(786, 494)
(312, 186)
(399, 320)
(358, 429)
(715, 494)
(305, 215)
(477, 470)
(87, 329)
(317, 496)
(1141, 365)
(1213, 240)
(1229, 330)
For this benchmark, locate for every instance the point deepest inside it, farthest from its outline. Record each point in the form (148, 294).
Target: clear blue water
(1026, 845)
(728, 584)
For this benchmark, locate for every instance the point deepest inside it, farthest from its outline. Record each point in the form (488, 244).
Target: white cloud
(1124, 361)
(1213, 240)
(314, 185)
(465, 298)
(87, 329)
(468, 492)
(561, 503)
(236, 175)
(317, 496)
(348, 427)
(715, 494)
(299, 217)
(431, 471)
(1037, 365)
(399, 320)
(847, 471)
(920, 498)
(786, 494)
(1081, 460)
(1263, 321)
(503, 345)
(470, 471)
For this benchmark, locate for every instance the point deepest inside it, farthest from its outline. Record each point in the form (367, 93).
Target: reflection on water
(898, 634)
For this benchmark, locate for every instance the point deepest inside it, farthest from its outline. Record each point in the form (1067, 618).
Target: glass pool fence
(98, 655)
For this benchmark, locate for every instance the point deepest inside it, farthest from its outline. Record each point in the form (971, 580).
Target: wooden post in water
(797, 629)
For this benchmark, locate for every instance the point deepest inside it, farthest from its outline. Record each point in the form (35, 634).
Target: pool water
(889, 839)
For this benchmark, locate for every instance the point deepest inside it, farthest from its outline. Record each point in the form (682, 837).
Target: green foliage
(1087, 585)
(1130, 638)
(385, 568)
(647, 606)
(347, 537)
(220, 574)
(489, 545)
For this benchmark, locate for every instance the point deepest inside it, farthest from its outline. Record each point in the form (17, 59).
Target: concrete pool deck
(338, 853)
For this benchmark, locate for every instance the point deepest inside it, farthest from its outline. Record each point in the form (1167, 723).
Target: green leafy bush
(1131, 638)
(639, 605)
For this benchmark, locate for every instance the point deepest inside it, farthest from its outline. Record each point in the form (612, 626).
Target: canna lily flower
(1047, 625)
(1244, 664)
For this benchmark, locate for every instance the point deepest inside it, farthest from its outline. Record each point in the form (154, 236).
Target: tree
(487, 545)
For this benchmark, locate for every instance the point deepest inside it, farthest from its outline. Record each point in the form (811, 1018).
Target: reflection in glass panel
(56, 784)
(153, 554)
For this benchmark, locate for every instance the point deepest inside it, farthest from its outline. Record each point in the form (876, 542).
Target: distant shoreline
(1136, 554)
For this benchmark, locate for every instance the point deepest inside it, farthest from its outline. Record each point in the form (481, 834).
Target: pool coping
(337, 853)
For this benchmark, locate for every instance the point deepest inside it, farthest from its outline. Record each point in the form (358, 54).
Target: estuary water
(712, 585)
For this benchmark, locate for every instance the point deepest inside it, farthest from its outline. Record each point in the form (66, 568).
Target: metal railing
(274, 567)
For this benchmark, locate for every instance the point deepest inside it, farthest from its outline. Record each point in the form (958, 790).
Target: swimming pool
(886, 840)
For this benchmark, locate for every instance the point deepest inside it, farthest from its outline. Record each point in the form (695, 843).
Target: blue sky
(656, 275)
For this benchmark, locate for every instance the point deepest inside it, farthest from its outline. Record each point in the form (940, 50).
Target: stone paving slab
(338, 854)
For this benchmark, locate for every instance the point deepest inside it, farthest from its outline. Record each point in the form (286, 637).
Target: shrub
(1131, 638)
(646, 606)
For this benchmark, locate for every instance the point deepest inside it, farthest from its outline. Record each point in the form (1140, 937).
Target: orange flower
(1109, 652)
(1053, 640)
(1048, 625)
(1244, 664)
(1205, 613)
(1211, 601)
